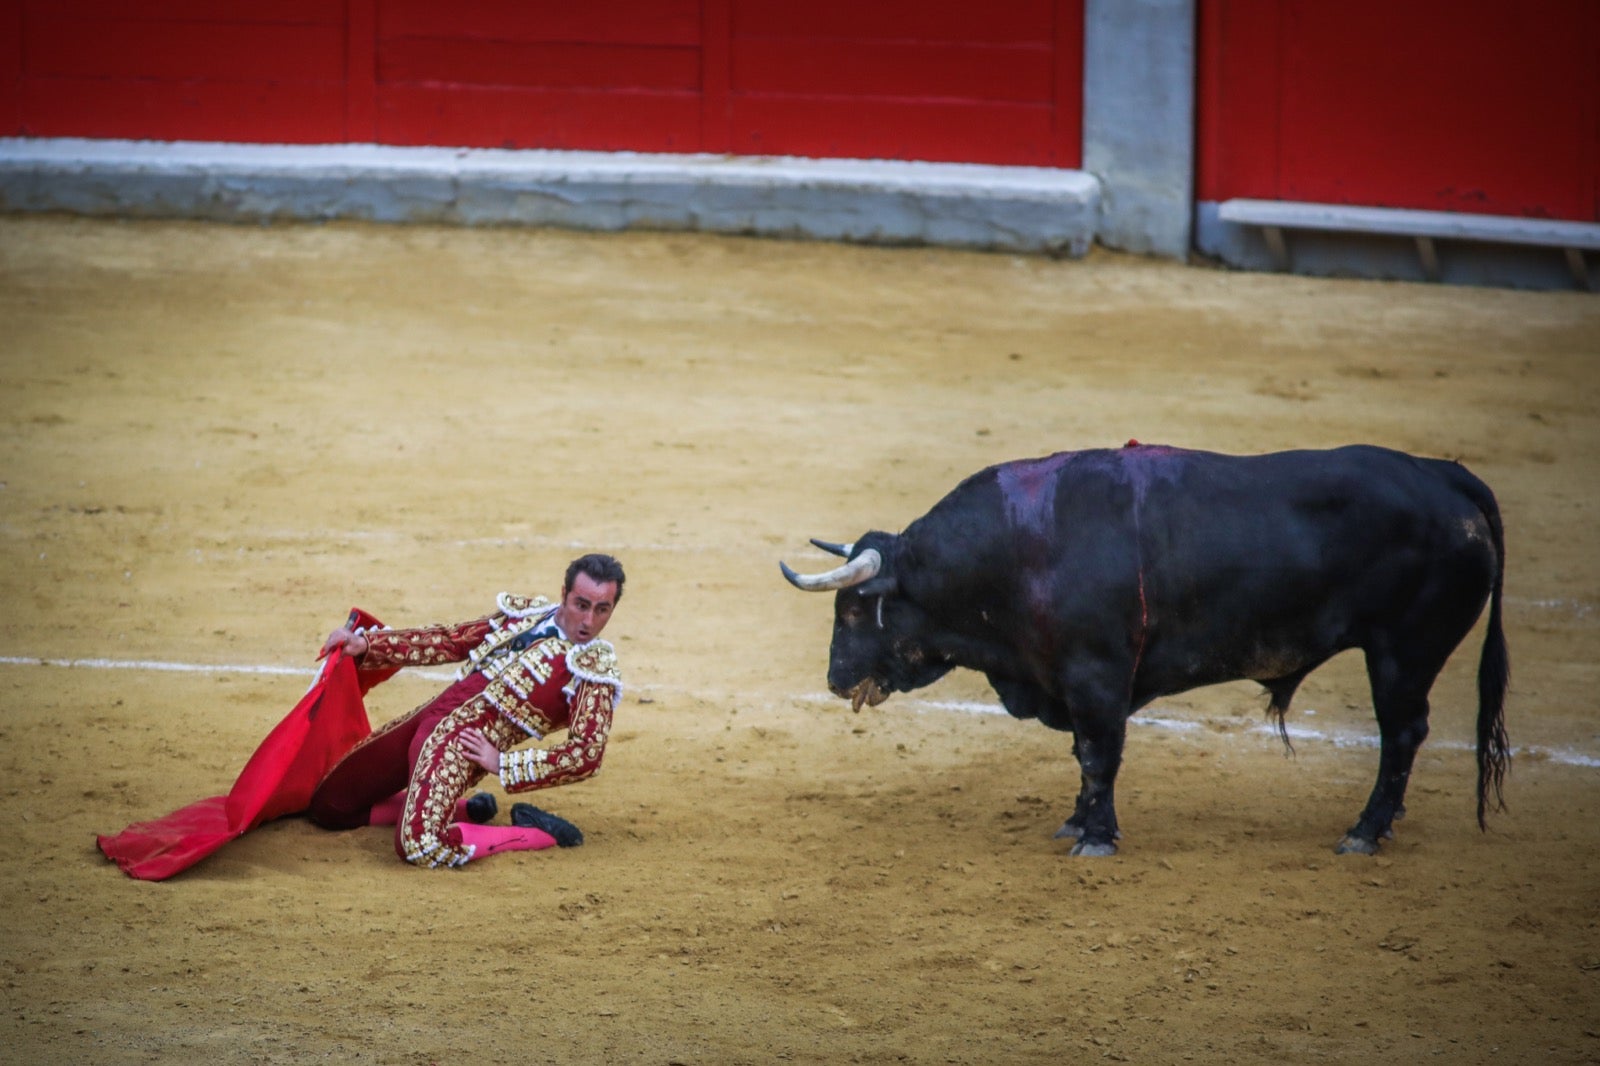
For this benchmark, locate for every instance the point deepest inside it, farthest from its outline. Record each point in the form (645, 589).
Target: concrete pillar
(1138, 121)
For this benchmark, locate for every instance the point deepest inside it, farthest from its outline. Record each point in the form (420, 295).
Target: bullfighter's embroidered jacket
(537, 679)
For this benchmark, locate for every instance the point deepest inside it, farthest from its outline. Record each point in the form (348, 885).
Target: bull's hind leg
(1403, 659)
(1400, 701)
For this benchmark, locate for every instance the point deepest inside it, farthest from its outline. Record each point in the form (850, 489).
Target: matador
(528, 669)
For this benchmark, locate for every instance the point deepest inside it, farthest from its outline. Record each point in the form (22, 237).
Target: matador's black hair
(599, 568)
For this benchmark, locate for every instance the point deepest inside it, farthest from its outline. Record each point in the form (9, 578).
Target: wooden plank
(1277, 245)
(288, 113)
(322, 12)
(901, 80)
(538, 118)
(181, 51)
(950, 21)
(10, 68)
(361, 73)
(716, 74)
(999, 133)
(1237, 115)
(893, 69)
(1067, 72)
(1429, 255)
(1579, 268)
(556, 66)
(609, 22)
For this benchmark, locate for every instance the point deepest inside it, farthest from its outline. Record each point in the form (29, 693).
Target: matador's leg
(487, 840)
(368, 772)
(382, 764)
(476, 809)
(427, 833)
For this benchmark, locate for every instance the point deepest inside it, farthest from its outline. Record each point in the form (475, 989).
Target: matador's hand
(476, 746)
(344, 637)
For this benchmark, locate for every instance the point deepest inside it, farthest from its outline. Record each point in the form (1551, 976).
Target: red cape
(278, 780)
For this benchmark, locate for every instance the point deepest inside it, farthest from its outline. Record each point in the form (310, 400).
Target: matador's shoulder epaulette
(513, 606)
(596, 661)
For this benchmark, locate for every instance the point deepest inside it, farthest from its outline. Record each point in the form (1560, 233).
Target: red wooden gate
(896, 79)
(1479, 106)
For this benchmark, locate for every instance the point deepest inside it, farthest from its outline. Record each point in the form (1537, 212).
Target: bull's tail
(1494, 670)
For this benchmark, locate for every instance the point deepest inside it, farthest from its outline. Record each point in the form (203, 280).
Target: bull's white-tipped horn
(841, 550)
(863, 567)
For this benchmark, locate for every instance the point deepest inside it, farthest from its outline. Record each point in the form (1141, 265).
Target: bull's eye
(853, 613)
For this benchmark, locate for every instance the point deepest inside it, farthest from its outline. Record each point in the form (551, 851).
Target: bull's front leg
(1094, 815)
(1024, 699)
(1072, 828)
(1100, 727)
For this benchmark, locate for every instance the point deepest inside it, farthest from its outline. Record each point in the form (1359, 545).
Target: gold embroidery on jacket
(517, 607)
(596, 661)
(576, 758)
(491, 657)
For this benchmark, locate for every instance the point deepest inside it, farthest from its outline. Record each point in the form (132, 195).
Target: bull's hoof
(1353, 845)
(1069, 831)
(1093, 851)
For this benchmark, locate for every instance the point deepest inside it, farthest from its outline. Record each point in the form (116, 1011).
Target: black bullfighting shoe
(530, 817)
(482, 808)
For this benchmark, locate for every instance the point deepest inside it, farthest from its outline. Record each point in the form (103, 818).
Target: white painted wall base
(1019, 209)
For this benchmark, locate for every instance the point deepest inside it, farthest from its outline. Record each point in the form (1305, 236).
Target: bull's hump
(1028, 490)
(1028, 486)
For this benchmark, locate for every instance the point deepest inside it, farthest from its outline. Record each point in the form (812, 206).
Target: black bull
(1086, 584)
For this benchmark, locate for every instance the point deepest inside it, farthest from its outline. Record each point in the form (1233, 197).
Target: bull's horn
(841, 550)
(863, 567)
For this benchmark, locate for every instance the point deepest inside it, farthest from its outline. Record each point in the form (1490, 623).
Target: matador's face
(586, 608)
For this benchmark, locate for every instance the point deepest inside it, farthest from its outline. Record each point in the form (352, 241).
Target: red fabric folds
(278, 780)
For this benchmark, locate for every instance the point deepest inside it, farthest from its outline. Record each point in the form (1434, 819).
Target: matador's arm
(424, 646)
(573, 759)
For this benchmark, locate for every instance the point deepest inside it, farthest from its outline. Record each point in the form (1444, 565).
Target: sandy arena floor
(217, 439)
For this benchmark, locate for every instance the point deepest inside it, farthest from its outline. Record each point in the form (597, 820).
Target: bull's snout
(866, 691)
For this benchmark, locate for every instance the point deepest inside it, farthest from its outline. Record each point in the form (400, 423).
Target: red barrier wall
(1452, 105)
(1465, 105)
(984, 83)
(174, 71)
(894, 79)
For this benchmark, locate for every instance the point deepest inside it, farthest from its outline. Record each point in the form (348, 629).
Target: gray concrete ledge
(1395, 222)
(1018, 209)
(1398, 245)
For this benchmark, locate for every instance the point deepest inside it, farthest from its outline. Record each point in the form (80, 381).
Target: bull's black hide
(1086, 584)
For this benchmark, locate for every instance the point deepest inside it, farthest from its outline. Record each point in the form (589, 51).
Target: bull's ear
(883, 585)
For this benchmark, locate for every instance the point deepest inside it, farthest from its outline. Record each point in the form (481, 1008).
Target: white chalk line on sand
(1566, 756)
(148, 664)
(216, 542)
